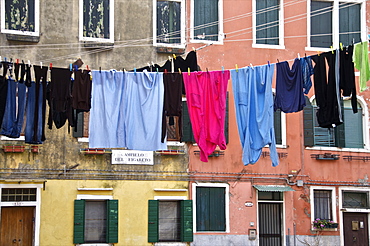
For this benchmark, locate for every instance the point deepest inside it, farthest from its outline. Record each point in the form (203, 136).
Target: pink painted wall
(238, 50)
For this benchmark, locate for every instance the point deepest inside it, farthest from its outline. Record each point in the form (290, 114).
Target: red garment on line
(206, 100)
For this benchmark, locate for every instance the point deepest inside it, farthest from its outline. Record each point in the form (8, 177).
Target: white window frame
(36, 204)
(281, 28)
(182, 26)
(365, 130)
(96, 198)
(36, 33)
(335, 27)
(227, 206)
(333, 201)
(283, 131)
(220, 25)
(111, 25)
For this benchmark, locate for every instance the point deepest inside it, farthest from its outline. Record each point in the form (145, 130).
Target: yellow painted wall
(57, 202)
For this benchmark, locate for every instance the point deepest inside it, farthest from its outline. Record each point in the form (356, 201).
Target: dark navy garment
(14, 111)
(307, 71)
(289, 95)
(33, 103)
(326, 91)
(347, 75)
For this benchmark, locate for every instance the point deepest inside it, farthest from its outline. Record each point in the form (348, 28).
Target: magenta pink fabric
(206, 100)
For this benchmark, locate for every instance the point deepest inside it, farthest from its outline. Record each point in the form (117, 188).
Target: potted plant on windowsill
(321, 224)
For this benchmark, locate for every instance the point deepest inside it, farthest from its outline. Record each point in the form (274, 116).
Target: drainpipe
(295, 234)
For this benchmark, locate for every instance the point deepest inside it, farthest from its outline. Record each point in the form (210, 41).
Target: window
(355, 200)
(211, 207)
(97, 20)
(279, 128)
(169, 23)
(323, 206)
(20, 17)
(18, 194)
(268, 22)
(333, 22)
(170, 221)
(348, 135)
(207, 20)
(187, 131)
(95, 221)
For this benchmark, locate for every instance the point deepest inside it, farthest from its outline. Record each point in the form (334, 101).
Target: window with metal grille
(18, 194)
(355, 200)
(169, 221)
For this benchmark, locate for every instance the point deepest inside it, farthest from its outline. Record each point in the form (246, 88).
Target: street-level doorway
(355, 228)
(17, 226)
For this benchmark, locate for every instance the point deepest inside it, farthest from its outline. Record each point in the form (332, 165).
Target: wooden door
(355, 228)
(17, 226)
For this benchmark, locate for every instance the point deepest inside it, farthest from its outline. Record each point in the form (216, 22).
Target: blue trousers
(34, 122)
(14, 109)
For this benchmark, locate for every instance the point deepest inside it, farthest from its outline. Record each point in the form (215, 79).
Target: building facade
(62, 192)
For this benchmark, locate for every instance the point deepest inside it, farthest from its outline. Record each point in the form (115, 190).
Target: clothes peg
(4, 58)
(251, 65)
(236, 67)
(341, 46)
(99, 69)
(29, 63)
(70, 66)
(0, 58)
(223, 69)
(169, 58)
(207, 69)
(194, 49)
(41, 65)
(157, 70)
(76, 68)
(318, 53)
(332, 51)
(179, 71)
(17, 61)
(299, 57)
(188, 70)
(87, 67)
(278, 60)
(51, 65)
(135, 70)
(268, 63)
(174, 56)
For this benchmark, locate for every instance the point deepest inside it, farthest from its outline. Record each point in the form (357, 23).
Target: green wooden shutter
(353, 128)
(339, 131)
(308, 123)
(206, 19)
(187, 132)
(78, 130)
(186, 221)
(79, 221)
(153, 209)
(277, 126)
(210, 204)
(112, 221)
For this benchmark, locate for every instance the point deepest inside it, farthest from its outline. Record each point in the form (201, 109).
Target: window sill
(98, 44)
(95, 244)
(170, 50)
(23, 38)
(268, 46)
(317, 49)
(172, 244)
(339, 149)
